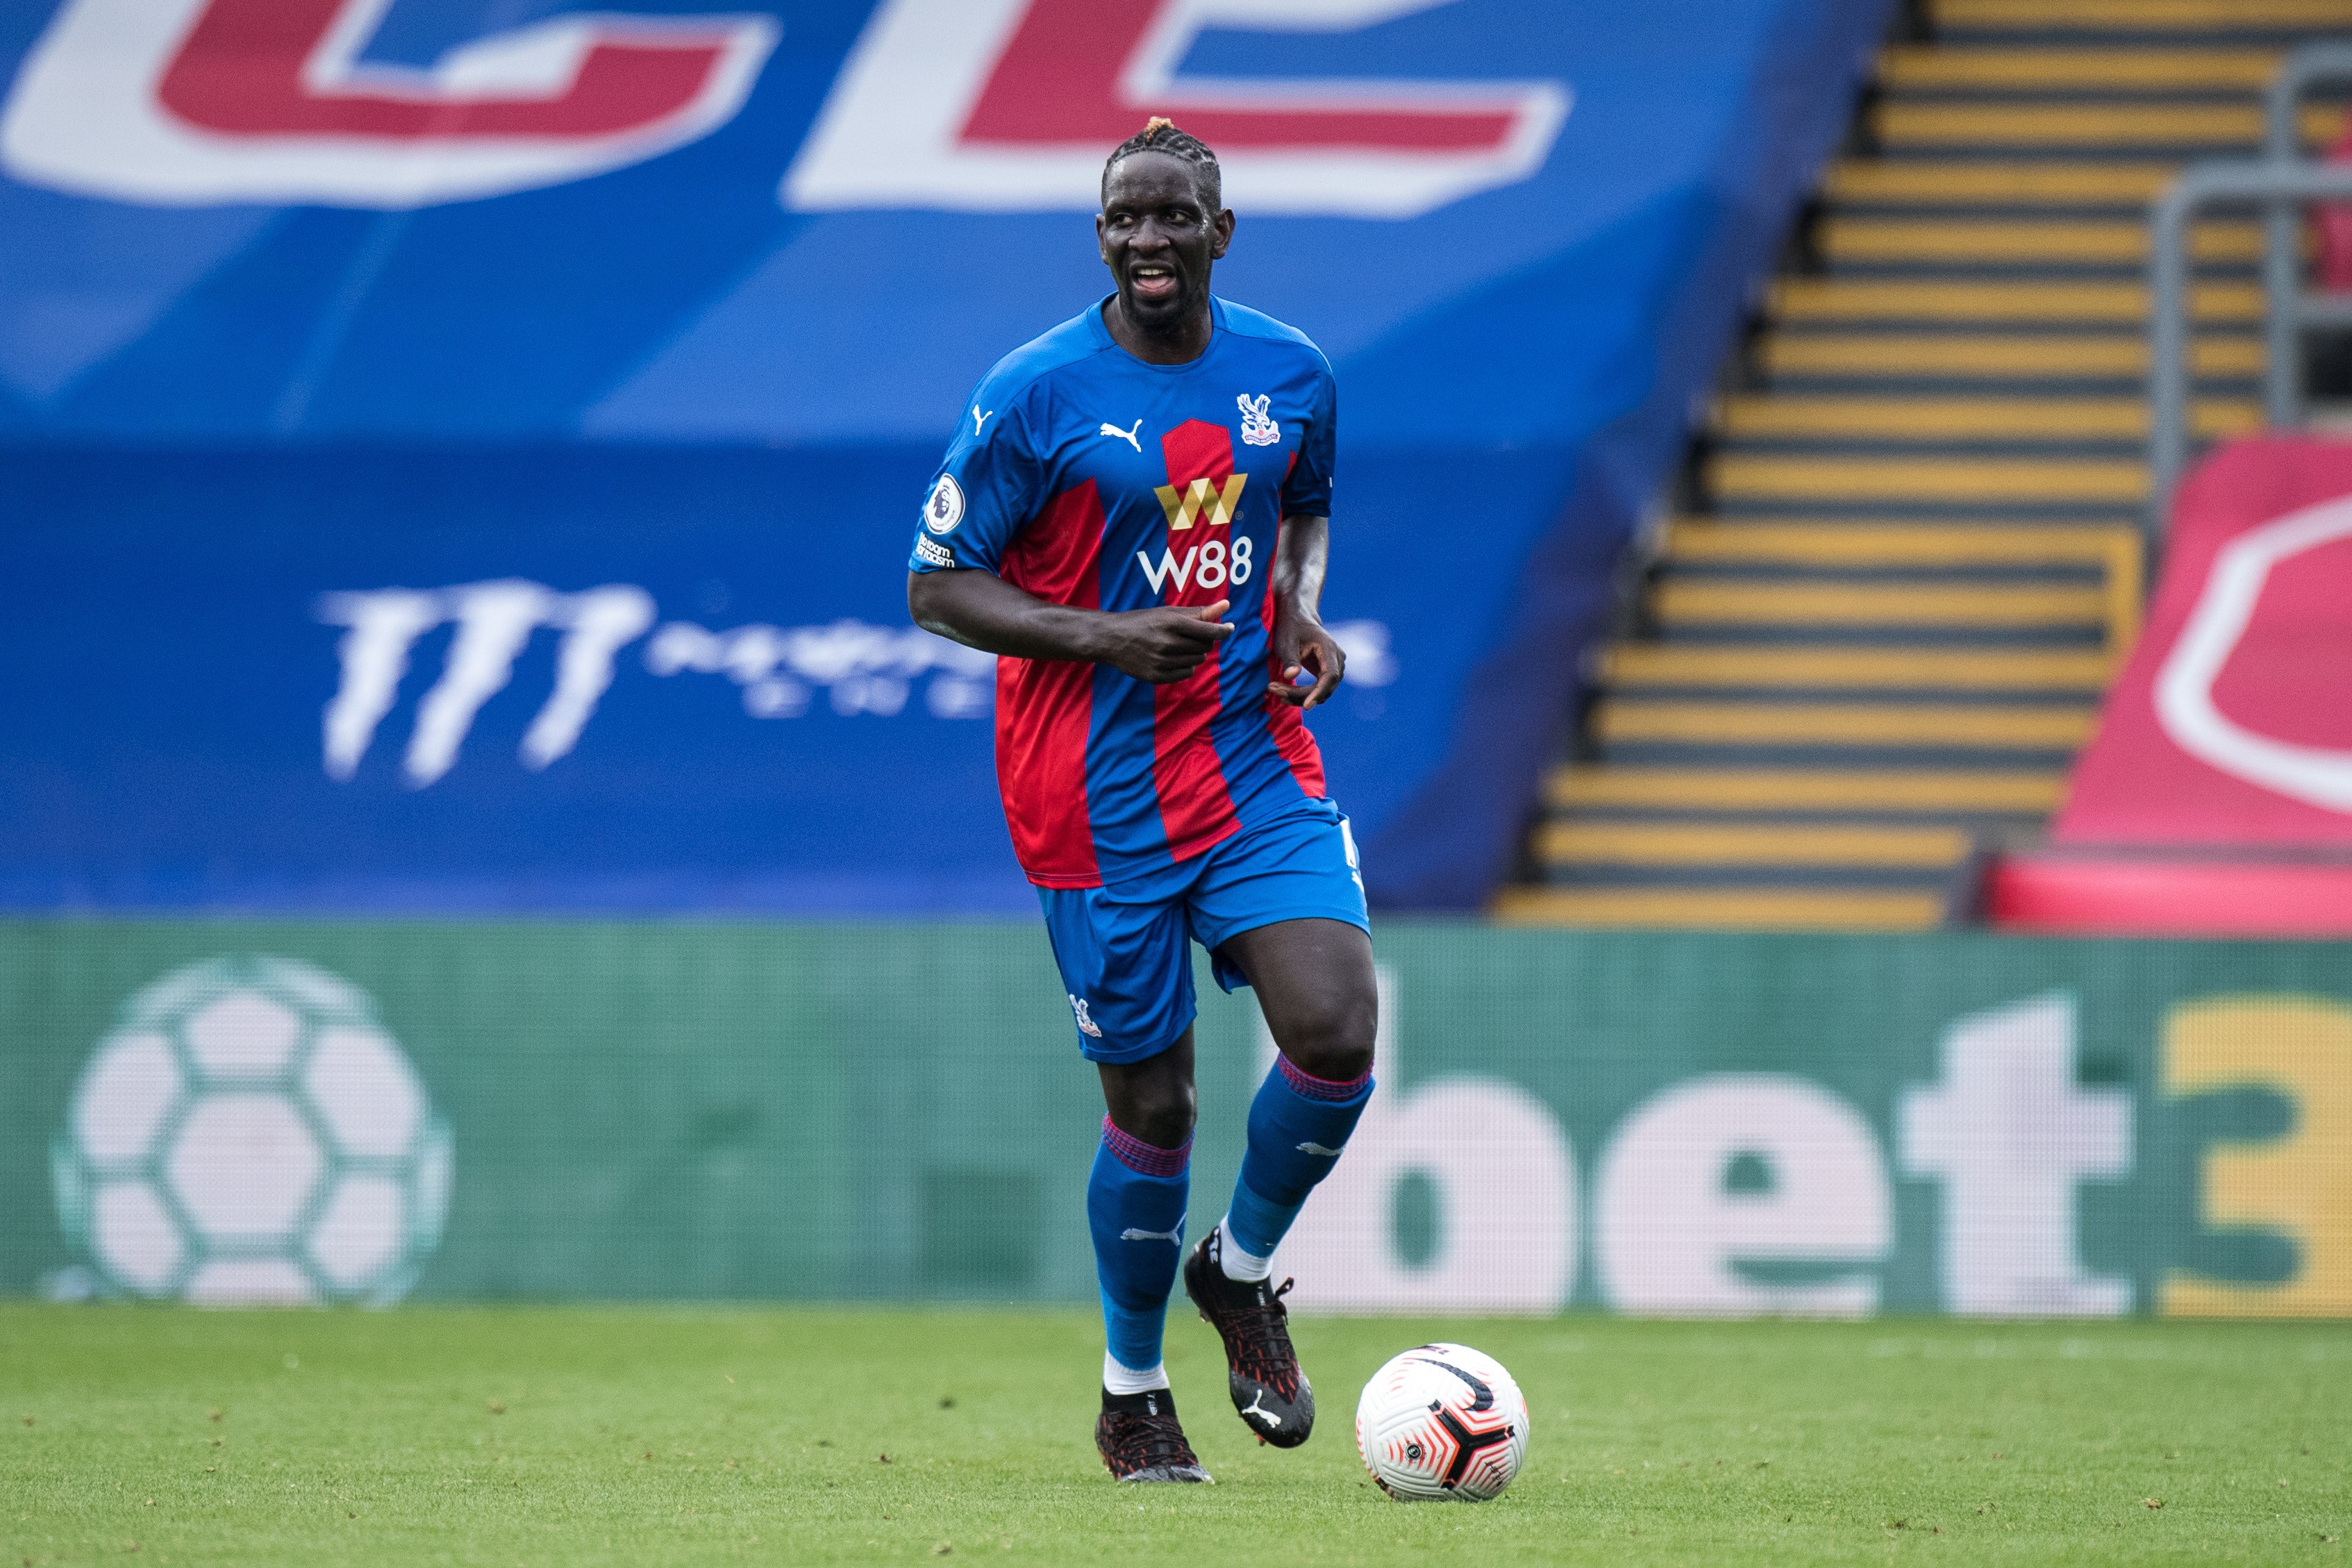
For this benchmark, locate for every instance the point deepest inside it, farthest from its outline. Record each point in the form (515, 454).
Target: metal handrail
(2285, 184)
(2302, 69)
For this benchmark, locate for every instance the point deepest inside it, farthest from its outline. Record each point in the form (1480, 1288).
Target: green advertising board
(238, 1110)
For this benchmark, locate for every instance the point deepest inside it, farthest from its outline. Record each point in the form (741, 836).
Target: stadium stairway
(1874, 640)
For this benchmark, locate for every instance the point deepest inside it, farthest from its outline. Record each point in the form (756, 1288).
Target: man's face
(1159, 240)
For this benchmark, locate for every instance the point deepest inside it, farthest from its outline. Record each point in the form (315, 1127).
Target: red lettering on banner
(1008, 106)
(1059, 79)
(193, 102)
(241, 72)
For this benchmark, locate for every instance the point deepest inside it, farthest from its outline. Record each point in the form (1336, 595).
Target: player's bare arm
(982, 610)
(1301, 643)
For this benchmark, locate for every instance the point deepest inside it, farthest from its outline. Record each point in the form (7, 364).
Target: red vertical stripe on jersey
(1196, 805)
(1044, 708)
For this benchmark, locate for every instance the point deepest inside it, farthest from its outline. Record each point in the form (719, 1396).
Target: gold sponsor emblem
(1201, 501)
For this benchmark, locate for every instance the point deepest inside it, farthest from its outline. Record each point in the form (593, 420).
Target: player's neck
(1184, 342)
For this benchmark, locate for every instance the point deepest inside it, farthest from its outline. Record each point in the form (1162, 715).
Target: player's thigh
(1315, 983)
(1283, 911)
(1126, 968)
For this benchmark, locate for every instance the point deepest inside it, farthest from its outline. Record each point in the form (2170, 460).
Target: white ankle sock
(1119, 1379)
(1237, 1263)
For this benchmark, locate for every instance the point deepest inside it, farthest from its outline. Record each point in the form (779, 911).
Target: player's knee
(1332, 1037)
(1161, 1114)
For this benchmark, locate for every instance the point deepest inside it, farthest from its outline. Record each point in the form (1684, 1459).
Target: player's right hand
(1166, 643)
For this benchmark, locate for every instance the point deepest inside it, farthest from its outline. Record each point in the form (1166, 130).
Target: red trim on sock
(1308, 1087)
(1147, 1159)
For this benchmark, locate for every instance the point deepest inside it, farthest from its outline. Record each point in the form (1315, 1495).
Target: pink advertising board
(2232, 725)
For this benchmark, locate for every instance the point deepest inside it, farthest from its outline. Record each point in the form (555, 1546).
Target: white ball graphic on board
(249, 1134)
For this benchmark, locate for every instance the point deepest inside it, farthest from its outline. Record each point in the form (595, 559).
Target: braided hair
(1160, 135)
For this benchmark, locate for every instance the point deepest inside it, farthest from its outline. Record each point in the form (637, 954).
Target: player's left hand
(1302, 647)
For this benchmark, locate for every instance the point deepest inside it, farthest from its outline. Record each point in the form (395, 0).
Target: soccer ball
(248, 1133)
(1441, 1421)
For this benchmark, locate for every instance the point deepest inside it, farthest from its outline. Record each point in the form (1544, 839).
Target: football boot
(1140, 1440)
(1269, 1392)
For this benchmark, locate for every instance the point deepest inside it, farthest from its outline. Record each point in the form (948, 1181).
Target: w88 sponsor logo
(1212, 565)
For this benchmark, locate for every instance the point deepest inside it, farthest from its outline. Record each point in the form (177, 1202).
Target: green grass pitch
(591, 1436)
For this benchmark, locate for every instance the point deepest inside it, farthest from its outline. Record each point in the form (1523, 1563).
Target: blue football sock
(1135, 1206)
(1297, 1125)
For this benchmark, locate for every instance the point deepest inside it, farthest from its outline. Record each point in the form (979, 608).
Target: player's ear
(1220, 233)
(1102, 240)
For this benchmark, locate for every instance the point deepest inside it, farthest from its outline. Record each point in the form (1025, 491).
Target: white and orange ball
(1441, 1421)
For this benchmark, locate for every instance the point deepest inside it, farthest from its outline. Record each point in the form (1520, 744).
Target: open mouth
(1152, 280)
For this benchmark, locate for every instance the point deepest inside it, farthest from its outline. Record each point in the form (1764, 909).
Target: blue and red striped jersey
(1088, 477)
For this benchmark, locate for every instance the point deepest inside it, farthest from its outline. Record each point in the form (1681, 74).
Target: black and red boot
(1140, 1440)
(1262, 1370)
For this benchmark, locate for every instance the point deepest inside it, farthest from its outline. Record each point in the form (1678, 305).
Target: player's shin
(1298, 1126)
(1135, 1201)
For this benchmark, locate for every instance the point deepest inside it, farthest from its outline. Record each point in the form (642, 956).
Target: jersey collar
(1100, 331)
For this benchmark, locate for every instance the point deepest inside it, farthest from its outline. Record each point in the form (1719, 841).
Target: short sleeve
(990, 483)
(1307, 489)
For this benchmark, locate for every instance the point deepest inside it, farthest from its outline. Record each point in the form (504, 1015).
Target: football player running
(1134, 517)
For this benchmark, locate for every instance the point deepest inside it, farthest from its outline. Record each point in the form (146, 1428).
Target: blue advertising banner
(460, 453)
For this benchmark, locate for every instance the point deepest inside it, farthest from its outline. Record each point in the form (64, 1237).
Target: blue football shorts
(1125, 952)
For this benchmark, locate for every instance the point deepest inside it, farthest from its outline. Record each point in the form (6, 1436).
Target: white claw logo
(495, 621)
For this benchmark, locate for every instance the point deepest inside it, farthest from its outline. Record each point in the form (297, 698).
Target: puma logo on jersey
(1259, 427)
(979, 420)
(1127, 436)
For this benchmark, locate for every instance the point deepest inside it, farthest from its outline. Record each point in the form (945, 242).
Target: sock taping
(1147, 1158)
(1330, 1090)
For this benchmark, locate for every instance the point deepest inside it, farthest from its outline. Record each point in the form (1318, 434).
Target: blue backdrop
(462, 452)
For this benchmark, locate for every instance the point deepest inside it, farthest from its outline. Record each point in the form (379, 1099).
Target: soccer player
(1134, 516)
